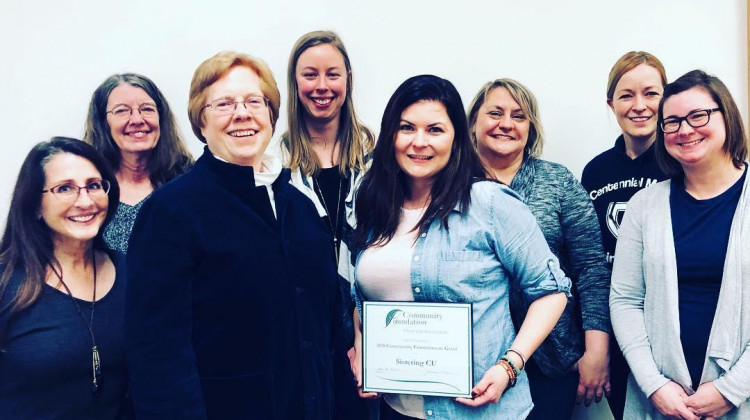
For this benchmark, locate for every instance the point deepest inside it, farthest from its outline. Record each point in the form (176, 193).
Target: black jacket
(233, 313)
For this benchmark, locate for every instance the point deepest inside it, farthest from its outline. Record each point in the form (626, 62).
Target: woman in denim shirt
(430, 229)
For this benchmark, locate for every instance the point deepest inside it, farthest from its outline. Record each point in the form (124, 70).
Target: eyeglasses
(695, 119)
(226, 106)
(69, 192)
(123, 111)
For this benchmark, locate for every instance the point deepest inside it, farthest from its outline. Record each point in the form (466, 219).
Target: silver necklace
(96, 366)
(333, 224)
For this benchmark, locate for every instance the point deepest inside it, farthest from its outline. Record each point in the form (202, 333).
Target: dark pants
(618, 379)
(554, 399)
(387, 413)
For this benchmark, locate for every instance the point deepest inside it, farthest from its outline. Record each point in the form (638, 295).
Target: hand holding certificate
(417, 348)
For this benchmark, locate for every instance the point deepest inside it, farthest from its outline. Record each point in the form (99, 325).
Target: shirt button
(424, 234)
(551, 264)
(416, 258)
(417, 289)
(429, 412)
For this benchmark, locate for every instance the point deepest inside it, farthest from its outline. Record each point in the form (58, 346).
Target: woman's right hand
(670, 401)
(355, 359)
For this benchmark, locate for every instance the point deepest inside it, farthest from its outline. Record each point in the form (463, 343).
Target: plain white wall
(54, 54)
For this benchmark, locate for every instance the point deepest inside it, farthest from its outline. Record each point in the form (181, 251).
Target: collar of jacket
(236, 178)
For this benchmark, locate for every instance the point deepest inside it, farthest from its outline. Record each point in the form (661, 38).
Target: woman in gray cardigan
(573, 361)
(680, 297)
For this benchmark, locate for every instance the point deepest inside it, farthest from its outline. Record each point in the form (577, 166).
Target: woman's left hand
(489, 389)
(707, 402)
(593, 372)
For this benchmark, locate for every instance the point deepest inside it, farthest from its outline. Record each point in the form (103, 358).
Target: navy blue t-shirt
(701, 233)
(45, 356)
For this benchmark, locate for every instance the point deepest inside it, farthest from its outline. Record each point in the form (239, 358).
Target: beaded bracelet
(523, 359)
(509, 370)
(516, 371)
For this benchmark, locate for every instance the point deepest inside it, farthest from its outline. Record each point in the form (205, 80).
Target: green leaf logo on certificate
(417, 348)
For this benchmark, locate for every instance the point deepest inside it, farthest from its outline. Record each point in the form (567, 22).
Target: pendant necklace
(332, 222)
(96, 368)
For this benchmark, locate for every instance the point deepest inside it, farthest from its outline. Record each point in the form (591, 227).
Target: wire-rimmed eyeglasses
(69, 192)
(123, 111)
(226, 106)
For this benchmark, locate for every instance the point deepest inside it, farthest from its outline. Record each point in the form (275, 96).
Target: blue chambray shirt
(473, 261)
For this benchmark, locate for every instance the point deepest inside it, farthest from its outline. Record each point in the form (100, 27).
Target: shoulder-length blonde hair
(526, 100)
(356, 140)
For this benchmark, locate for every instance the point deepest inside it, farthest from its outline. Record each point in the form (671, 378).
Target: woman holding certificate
(432, 229)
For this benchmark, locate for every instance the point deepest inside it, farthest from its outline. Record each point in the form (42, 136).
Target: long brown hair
(383, 187)
(170, 157)
(27, 240)
(356, 140)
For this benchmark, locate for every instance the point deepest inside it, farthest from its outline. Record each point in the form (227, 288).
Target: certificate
(417, 348)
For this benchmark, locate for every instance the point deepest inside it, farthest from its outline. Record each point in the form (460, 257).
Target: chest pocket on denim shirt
(462, 275)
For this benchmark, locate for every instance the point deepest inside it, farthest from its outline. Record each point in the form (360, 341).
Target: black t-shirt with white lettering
(611, 179)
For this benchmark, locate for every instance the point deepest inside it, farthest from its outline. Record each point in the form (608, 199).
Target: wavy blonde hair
(526, 100)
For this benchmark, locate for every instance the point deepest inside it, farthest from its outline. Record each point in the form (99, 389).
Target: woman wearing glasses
(326, 146)
(62, 344)
(574, 359)
(635, 85)
(130, 123)
(680, 283)
(234, 310)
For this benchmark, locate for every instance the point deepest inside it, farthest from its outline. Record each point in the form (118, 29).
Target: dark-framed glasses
(226, 106)
(123, 111)
(695, 119)
(69, 192)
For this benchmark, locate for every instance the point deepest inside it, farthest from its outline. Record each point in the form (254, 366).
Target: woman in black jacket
(234, 307)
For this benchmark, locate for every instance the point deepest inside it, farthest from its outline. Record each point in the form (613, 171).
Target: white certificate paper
(417, 348)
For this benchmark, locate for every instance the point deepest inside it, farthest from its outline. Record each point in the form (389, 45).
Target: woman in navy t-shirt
(61, 295)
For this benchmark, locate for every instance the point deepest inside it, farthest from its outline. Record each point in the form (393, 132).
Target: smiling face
(133, 133)
(240, 137)
(321, 76)
(502, 127)
(692, 147)
(79, 220)
(424, 141)
(635, 102)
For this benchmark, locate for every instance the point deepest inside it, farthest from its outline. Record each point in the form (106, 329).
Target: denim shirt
(473, 261)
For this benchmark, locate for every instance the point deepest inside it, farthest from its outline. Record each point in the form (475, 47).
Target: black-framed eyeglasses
(695, 119)
(69, 192)
(226, 106)
(123, 111)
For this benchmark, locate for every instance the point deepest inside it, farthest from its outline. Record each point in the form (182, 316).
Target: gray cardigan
(644, 306)
(567, 218)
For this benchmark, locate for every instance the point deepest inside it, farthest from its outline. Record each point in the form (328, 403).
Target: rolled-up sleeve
(523, 250)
